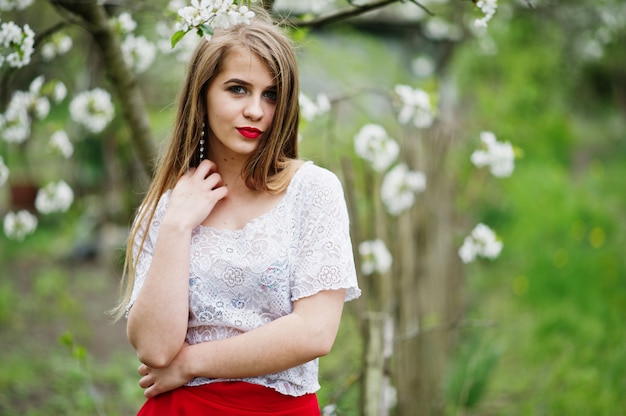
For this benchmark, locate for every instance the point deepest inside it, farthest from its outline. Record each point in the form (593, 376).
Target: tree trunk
(429, 288)
(122, 79)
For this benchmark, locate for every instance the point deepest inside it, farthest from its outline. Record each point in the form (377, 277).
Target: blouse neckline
(275, 208)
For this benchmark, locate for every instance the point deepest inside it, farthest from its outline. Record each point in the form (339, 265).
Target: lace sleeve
(323, 257)
(143, 257)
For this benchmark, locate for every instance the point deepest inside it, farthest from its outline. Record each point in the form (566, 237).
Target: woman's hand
(160, 380)
(195, 195)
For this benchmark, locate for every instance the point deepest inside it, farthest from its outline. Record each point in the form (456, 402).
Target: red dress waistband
(229, 398)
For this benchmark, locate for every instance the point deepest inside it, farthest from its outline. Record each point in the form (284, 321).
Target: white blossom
(35, 85)
(311, 109)
(58, 45)
(16, 44)
(499, 156)
(54, 197)
(93, 109)
(19, 225)
(138, 52)
(329, 410)
(482, 242)
(399, 188)
(374, 145)
(423, 66)
(416, 106)
(15, 122)
(437, 28)
(213, 13)
(59, 92)
(124, 22)
(60, 141)
(488, 7)
(375, 257)
(42, 107)
(8, 5)
(4, 172)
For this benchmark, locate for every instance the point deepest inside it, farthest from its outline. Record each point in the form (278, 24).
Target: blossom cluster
(138, 51)
(374, 145)
(54, 197)
(311, 109)
(483, 242)
(416, 106)
(375, 257)
(16, 44)
(439, 29)
(58, 45)
(15, 123)
(499, 156)
(18, 225)
(400, 184)
(488, 7)
(59, 141)
(92, 109)
(8, 5)
(399, 188)
(205, 15)
(15, 128)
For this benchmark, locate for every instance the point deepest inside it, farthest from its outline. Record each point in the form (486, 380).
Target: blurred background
(536, 329)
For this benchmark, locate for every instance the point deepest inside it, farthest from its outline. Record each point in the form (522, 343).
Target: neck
(230, 169)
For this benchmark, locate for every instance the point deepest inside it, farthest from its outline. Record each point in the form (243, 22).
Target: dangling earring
(202, 143)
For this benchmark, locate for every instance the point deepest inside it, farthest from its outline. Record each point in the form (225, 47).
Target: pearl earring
(202, 143)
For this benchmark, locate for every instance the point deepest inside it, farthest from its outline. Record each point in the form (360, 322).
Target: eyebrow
(246, 83)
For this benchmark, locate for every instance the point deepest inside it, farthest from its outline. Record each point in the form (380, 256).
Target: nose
(253, 109)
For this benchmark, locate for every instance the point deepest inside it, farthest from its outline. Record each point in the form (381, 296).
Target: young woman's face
(241, 101)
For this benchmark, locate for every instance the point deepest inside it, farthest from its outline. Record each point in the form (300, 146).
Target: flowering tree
(398, 176)
(398, 269)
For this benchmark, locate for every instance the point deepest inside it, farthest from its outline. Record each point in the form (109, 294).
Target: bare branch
(347, 14)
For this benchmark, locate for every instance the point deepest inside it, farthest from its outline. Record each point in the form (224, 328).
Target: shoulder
(317, 186)
(312, 175)
(153, 210)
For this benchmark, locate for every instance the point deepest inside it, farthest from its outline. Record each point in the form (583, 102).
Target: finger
(220, 192)
(205, 168)
(151, 392)
(214, 180)
(145, 382)
(143, 370)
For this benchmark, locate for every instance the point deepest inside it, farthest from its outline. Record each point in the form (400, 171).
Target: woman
(240, 259)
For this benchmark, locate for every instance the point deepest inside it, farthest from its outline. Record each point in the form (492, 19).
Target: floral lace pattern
(242, 279)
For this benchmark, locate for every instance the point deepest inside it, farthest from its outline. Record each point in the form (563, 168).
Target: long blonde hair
(266, 169)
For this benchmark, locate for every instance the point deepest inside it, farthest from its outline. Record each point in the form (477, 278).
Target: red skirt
(229, 398)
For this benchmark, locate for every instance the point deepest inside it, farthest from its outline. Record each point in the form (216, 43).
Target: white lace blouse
(242, 279)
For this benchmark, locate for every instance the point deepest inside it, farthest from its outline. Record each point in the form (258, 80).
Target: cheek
(270, 113)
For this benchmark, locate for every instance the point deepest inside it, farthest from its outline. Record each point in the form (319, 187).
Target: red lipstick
(249, 132)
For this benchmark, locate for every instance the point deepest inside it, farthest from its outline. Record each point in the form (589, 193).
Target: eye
(237, 89)
(270, 95)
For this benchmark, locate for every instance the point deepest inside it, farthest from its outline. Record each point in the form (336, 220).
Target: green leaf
(206, 29)
(80, 353)
(67, 339)
(176, 37)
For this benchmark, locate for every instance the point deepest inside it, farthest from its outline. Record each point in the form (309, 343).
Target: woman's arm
(305, 334)
(157, 321)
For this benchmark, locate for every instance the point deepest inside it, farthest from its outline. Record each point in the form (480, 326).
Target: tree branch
(347, 14)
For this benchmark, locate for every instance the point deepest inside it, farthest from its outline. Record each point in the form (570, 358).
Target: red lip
(249, 132)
